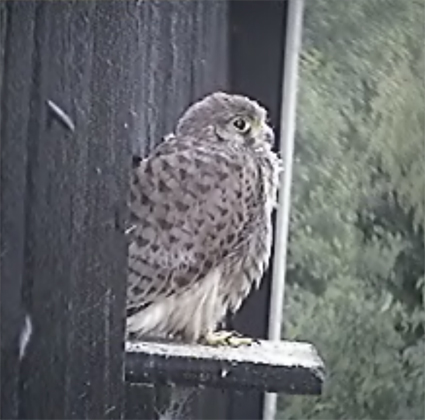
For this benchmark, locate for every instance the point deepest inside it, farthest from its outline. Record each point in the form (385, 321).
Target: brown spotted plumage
(200, 209)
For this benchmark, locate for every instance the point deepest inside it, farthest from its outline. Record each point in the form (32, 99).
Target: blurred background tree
(356, 283)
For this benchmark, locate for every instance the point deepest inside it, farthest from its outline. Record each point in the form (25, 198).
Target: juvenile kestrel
(201, 208)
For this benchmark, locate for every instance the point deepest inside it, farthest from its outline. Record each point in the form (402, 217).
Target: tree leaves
(356, 252)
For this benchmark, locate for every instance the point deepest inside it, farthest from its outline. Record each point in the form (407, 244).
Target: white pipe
(287, 133)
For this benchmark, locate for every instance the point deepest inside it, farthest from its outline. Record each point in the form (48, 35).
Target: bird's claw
(228, 338)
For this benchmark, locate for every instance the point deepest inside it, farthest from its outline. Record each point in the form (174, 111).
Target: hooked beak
(268, 134)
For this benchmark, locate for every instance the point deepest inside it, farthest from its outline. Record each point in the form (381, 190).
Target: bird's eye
(241, 125)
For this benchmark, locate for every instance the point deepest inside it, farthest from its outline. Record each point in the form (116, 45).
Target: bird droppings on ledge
(284, 366)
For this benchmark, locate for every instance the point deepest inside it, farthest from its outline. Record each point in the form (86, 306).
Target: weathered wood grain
(180, 56)
(65, 132)
(289, 367)
(16, 28)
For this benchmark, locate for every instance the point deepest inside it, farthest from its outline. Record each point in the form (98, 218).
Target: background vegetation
(356, 283)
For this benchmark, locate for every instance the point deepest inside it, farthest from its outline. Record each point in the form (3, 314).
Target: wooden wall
(83, 86)
(65, 115)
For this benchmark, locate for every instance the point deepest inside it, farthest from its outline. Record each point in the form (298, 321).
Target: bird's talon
(228, 338)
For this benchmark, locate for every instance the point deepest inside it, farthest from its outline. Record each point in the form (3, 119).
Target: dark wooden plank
(289, 367)
(16, 28)
(140, 401)
(99, 280)
(51, 180)
(164, 88)
(75, 256)
(181, 56)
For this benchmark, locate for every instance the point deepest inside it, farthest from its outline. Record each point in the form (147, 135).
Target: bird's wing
(189, 205)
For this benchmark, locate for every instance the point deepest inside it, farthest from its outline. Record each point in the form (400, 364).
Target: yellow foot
(227, 338)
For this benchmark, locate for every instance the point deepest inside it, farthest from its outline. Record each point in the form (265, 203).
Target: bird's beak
(268, 134)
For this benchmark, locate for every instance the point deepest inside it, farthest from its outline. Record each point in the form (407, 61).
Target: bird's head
(233, 118)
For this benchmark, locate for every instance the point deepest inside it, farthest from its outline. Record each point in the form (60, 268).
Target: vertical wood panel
(48, 253)
(16, 28)
(75, 203)
(181, 56)
(99, 280)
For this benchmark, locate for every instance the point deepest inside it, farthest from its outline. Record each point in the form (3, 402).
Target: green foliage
(371, 372)
(356, 253)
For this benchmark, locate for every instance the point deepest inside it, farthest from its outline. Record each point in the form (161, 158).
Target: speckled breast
(249, 263)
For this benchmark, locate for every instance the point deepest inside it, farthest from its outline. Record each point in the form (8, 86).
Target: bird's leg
(227, 338)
